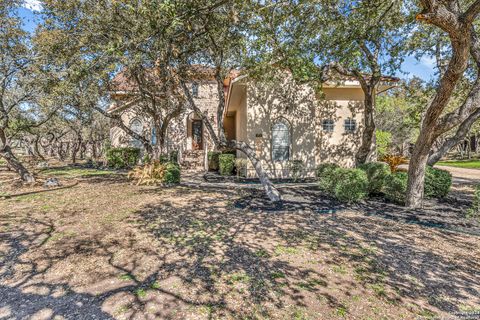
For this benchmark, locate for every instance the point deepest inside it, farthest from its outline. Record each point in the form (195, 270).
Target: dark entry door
(197, 141)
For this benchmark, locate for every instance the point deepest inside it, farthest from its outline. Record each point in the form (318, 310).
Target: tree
(362, 40)
(399, 111)
(456, 21)
(156, 43)
(16, 88)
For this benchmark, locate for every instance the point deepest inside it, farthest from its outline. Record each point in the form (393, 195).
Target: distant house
(283, 121)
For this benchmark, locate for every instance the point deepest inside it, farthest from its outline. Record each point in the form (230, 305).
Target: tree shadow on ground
(233, 254)
(411, 270)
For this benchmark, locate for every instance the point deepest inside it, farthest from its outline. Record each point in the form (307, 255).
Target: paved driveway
(463, 176)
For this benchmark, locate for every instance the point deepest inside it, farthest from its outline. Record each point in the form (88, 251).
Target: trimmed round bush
(226, 163)
(321, 168)
(437, 183)
(326, 176)
(172, 173)
(395, 187)
(376, 174)
(351, 185)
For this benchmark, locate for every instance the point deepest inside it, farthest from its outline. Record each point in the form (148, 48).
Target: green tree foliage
(317, 41)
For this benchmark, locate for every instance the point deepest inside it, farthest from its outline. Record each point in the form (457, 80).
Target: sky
(412, 67)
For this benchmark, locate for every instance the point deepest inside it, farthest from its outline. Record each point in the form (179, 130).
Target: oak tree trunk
(451, 142)
(16, 165)
(367, 147)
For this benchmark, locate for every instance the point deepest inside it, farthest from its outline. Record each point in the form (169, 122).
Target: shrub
(174, 156)
(437, 182)
(323, 167)
(213, 164)
(394, 161)
(376, 174)
(241, 166)
(120, 158)
(172, 173)
(395, 187)
(296, 168)
(226, 163)
(351, 185)
(325, 174)
(155, 173)
(474, 211)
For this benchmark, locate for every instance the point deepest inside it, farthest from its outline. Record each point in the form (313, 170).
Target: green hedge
(376, 174)
(226, 164)
(172, 173)
(325, 172)
(122, 158)
(437, 183)
(213, 162)
(395, 187)
(351, 185)
(347, 185)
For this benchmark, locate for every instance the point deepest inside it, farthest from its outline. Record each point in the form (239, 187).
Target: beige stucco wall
(303, 109)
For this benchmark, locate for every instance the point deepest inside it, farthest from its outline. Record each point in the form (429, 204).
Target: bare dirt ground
(106, 249)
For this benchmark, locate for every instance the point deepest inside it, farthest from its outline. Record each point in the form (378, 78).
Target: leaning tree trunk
(16, 165)
(459, 136)
(367, 147)
(459, 28)
(221, 143)
(36, 148)
(270, 189)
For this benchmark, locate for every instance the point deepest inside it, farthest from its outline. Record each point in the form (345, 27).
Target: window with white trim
(350, 125)
(281, 141)
(137, 127)
(328, 125)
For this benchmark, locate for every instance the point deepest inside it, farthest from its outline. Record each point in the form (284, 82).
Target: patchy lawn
(468, 164)
(107, 249)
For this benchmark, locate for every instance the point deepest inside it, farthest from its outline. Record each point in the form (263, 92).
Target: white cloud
(428, 61)
(33, 5)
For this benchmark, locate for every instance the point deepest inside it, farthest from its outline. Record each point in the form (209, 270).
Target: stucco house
(283, 121)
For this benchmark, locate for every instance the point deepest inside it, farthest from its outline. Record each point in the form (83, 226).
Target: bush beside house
(350, 185)
(226, 164)
(395, 187)
(376, 174)
(123, 158)
(347, 185)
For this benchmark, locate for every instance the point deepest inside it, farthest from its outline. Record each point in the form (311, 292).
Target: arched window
(137, 127)
(281, 141)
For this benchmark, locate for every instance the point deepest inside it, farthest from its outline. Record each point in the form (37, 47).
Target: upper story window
(328, 125)
(195, 89)
(350, 125)
(281, 141)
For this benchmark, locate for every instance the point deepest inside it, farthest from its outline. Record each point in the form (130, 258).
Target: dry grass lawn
(106, 249)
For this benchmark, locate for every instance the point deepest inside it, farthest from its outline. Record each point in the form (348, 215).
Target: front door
(197, 136)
